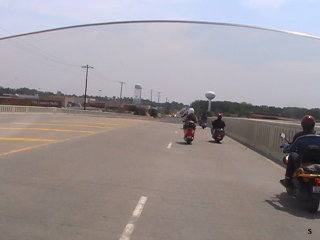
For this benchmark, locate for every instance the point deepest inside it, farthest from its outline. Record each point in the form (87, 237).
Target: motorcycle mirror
(283, 136)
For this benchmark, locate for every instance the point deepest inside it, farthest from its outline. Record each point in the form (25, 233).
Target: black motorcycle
(306, 180)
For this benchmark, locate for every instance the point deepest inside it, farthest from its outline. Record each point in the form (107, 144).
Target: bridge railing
(32, 109)
(26, 109)
(262, 135)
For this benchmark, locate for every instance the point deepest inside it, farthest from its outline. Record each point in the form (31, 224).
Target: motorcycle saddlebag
(311, 154)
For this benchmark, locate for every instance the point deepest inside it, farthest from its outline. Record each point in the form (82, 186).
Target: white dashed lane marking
(129, 228)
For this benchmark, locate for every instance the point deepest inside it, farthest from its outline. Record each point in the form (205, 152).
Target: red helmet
(308, 122)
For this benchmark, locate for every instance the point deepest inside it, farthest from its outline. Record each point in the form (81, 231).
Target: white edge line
(169, 145)
(129, 228)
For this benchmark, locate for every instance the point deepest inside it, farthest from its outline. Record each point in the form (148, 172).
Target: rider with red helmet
(218, 123)
(307, 123)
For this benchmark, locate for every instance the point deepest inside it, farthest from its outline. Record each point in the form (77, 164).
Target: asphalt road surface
(84, 177)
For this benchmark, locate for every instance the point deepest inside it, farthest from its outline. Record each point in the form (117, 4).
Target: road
(85, 177)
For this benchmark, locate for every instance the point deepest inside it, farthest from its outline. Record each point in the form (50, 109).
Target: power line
(36, 51)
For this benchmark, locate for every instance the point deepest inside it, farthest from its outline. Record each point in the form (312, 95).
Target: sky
(20, 16)
(180, 61)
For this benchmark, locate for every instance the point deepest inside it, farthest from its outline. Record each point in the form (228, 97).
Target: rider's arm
(293, 147)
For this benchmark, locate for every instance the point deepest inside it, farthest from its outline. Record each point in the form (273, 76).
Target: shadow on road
(285, 203)
(212, 141)
(183, 143)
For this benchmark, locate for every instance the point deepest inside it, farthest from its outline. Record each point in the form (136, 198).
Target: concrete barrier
(262, 136)
(31, 109)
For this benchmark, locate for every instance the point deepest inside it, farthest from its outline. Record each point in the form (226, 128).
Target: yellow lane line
(49, 130)
(110, 121)
(86, 122)
(45, 144)
(26, 139)
(18, 150)
(56, 124)
(53, 142)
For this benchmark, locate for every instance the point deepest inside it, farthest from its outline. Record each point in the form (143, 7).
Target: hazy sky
(19, 16)
(182, 61)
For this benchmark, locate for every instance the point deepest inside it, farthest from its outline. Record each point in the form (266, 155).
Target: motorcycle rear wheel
(312, 205)
(188, 141)
(290, 191)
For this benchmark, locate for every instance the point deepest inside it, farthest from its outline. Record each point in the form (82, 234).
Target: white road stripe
(128, 230)
(169, 145)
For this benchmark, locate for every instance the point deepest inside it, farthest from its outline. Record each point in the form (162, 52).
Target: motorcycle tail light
(317, 181)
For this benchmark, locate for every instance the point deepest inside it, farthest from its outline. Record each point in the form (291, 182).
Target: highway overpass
(72, 176)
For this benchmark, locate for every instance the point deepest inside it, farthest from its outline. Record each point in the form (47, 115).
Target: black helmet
(219, 115)
(308, 122)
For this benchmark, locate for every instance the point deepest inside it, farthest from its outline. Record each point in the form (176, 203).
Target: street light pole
(85, 89)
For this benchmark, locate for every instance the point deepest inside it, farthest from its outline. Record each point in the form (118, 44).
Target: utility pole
(151, 95)
(85, 89)
(159, 97)
(166, 99)
(121, 89)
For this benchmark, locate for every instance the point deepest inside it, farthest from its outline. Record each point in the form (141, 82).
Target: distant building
(36, 100)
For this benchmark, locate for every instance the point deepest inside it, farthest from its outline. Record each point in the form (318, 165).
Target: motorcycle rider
(218, 123)
(203, 118)
(296, 146)
(190, 116)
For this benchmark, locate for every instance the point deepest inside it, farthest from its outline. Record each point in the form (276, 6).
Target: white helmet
(190, 111)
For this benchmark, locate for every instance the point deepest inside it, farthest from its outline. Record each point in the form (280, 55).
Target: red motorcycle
(218, 134)
(189, 129)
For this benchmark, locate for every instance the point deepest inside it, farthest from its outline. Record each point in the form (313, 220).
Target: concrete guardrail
(31, 109)
(262, 136)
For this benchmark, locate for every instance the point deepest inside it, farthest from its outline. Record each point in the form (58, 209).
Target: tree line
(246, 109)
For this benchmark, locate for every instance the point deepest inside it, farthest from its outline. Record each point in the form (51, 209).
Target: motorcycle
(203, 124)
(189, 129)
(306, 179)
(218, 134)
